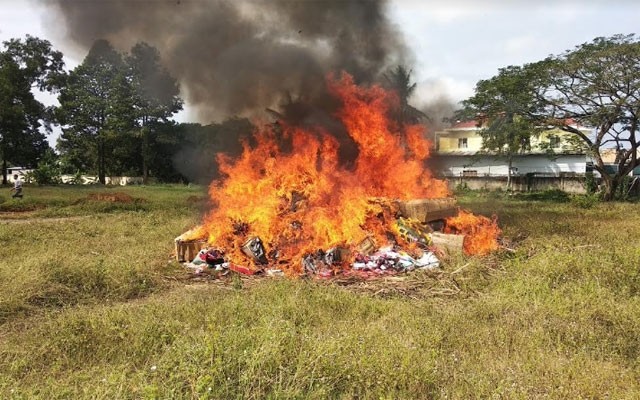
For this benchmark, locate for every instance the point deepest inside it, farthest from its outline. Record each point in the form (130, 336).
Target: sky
(455, 42)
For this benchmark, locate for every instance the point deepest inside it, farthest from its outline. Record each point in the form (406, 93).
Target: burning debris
(303, 213)
(411, 245)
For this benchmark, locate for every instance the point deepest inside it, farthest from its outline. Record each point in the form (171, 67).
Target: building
(20, 171)
(611, 157)
(552, 153)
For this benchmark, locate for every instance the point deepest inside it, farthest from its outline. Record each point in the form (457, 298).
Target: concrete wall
(123, 180)
(109, 180)
(569, 184)
(456, 166)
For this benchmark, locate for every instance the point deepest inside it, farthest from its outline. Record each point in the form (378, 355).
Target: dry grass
(556, 317)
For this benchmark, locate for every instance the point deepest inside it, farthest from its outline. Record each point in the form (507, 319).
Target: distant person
(17, 187)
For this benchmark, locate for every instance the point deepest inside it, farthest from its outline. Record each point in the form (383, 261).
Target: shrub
(46, 174)
(585, 201)
(554, 195)
(462, 188)
(622, 191)
(590, 183)
(76, 179)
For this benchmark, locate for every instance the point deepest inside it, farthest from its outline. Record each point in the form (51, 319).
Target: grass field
(92, 306)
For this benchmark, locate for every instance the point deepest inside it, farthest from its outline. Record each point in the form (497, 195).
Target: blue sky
(455, 42)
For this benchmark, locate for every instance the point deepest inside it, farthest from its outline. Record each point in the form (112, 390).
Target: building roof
(465, 124)
(475, 124)
(480, 153)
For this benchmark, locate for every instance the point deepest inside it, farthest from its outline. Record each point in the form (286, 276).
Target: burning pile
(302, 212)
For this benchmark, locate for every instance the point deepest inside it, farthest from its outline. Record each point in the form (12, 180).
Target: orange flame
(304, 200)
(481, 233)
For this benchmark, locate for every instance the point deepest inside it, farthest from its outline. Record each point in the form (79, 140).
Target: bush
(76, 179)
(554, 195)
(590, 183)
(622, 191)
(585, 201)
(462, 188)
(46, 174)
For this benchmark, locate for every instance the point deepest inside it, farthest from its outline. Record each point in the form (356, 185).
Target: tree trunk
(509, 172)
(101, 163)
(145, 156)
(610, 186)
(4, 170)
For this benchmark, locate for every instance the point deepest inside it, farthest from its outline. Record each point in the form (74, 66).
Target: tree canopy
(26, 65)
(598, 85)
(112, 107)
(595, 85)
(502, 106)
(96, 107)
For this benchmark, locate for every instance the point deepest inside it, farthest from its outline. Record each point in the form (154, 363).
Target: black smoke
(239, 57)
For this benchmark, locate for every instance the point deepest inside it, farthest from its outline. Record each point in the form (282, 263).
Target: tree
(505, 107)
(598, 85)
(595, 85)
(48, 170)
(25, 65)
(97, 112)
(399, 80)
(156, 98)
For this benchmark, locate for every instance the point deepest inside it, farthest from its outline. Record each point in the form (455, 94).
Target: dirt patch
(115, 197)
(11, 215)
(4, 220)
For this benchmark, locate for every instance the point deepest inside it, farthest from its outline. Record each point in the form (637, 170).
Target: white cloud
(519, 45)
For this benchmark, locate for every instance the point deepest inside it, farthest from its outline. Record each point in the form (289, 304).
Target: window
(462, 143)
(470, 172)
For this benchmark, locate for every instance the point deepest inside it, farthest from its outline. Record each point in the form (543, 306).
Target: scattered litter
(242, 270)
(387, 259)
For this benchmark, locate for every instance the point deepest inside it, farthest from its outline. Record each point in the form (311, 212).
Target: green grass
(92, 307)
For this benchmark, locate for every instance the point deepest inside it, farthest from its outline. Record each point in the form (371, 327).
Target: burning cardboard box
(428, 210)
(186, 248)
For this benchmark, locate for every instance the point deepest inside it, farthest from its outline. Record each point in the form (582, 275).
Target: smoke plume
(238, 57)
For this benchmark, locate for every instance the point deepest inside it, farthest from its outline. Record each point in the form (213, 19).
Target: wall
(492, 166)
(109, 180)
(569, 184)
(447, 140)
(450, 142)
(123, 180)
(20, 172)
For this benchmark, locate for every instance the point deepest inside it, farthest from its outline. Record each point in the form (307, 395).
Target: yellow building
(552, 153)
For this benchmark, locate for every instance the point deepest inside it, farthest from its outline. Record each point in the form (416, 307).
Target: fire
(303, 200)
(480, 232)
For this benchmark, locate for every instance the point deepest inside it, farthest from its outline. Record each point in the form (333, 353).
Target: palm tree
(399, 80)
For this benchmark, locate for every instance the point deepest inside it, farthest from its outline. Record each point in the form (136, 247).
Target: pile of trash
(417, 233)
(387, 260)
